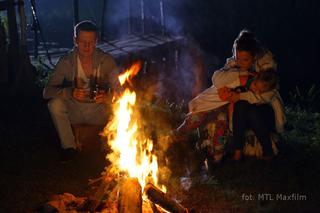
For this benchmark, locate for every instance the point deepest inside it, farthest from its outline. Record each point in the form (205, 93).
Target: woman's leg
(240, 123)
(261, 121)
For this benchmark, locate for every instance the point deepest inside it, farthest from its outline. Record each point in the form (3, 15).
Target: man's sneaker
(68, 154)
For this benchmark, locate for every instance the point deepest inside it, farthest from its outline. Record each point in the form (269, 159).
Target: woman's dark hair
(85, 26)
(246, 41)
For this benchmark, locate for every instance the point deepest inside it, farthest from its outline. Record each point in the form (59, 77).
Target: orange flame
(130, 73)
(132, 149)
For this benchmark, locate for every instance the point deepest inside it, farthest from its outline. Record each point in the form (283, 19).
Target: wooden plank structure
(19, 70)
(126, 46)
(122, 48)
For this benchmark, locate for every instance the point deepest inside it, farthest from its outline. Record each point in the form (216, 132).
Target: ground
(31, 171)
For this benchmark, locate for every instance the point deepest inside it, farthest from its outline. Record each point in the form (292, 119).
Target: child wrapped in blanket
(230, 87)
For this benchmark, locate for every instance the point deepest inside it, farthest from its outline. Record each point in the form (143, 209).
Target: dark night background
(288, 28)
(30, 152)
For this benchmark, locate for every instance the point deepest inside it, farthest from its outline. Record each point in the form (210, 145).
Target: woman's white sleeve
(253, 98)
(228, 79)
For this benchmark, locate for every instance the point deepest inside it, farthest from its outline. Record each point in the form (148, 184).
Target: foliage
(303, 120)
(175, 109)
(305, 99)
(303, 129)
(3, 35)
(43, 72)
(4, 23)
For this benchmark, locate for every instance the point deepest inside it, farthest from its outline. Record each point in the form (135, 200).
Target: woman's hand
(79, 94)
(224, 93)
(235, 96)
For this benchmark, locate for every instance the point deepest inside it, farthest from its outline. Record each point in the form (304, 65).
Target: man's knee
(97, 115)
(57, 105)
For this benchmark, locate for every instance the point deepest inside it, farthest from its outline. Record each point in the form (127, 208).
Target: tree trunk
(13, 52)
(3, 56)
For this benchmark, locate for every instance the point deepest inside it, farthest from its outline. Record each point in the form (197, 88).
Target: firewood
(154, 207)
(130, 197)
(106, 186)
(158, 197)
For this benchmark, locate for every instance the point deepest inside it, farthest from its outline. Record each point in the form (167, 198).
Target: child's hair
(85, 26)
(270, 77)
(246, 41)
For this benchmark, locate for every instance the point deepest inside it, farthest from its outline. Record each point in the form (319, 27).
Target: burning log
(158, 197)
(130, 198)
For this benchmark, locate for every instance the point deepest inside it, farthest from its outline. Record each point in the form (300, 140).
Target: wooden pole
(35, 30)
(162, 20)
(142, 16)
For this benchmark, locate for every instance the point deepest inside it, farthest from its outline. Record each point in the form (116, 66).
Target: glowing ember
(132, 149)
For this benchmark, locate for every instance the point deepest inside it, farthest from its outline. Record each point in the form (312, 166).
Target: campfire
(130, 184)
(131, 148)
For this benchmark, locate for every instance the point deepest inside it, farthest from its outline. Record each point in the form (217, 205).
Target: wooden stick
(106, 185)
(157, 196)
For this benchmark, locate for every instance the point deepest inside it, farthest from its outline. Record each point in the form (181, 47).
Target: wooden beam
(35, 29)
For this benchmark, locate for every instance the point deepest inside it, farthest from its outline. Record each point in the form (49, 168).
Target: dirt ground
(31, 171)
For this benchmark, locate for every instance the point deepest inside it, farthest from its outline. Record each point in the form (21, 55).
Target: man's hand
(79, 94)
(100, 97)
(235, 96)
